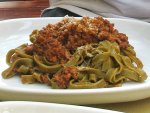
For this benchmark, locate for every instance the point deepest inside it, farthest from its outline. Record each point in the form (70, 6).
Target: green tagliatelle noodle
(99, 65)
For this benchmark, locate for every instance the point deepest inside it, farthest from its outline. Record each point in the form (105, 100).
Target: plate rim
(45, 104)
(130, 89)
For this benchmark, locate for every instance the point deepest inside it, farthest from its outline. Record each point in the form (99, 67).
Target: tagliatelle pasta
(61, 60)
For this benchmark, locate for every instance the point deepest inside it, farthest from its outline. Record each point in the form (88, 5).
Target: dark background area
(10, 9)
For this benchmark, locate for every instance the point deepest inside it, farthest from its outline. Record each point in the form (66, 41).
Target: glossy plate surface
(16, 32)
(38, 107)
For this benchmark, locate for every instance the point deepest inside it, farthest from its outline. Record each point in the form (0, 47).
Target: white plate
(15, 32)
(39, 107)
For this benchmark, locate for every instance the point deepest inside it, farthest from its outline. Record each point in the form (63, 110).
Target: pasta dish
(75, 54)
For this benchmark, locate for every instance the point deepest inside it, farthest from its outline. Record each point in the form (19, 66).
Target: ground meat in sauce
(45, 79)
(55, 41)
(51, 49)
(62, 79)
